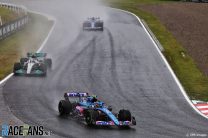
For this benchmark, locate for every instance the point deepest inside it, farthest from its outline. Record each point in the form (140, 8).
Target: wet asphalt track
(120, 65)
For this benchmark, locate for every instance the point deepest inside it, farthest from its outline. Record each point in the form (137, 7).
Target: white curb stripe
(201, 107)
(205, 111)
(42, 45)
(168, 66)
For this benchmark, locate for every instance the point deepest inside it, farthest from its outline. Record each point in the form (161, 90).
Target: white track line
(49, 18)
(6, 78)
(168, 66)
(42, 45)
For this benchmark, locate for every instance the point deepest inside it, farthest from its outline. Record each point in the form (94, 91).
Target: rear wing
(93, 18)
(75, 94)
(36, 54)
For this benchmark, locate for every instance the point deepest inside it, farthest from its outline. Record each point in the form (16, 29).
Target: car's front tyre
(124, 115)
(17, 66)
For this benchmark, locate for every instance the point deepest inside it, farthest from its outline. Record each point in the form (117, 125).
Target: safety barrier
(13, 26)
(16, 8)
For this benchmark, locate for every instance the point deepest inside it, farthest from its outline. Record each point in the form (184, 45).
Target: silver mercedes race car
(35, 64)
(93, 23)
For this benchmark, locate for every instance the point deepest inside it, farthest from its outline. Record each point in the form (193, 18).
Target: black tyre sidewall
(49, 62)
(64, 107)
(43, 68)
(17, 66)
(124, 115)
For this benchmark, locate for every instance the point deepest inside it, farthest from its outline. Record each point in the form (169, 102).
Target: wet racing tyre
(43, 68)
(48, 62)
(17, 66)
(64, 107)
(124, 115)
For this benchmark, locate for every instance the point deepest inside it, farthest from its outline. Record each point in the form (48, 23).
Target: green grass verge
(28, 39)
(7, 15)
(193, 80)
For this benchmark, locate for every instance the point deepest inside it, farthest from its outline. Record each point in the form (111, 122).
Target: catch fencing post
(1, 21)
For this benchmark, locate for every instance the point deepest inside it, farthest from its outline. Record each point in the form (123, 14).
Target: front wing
(22, 72)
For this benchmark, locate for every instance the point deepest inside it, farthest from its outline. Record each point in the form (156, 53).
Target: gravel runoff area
(188, 22)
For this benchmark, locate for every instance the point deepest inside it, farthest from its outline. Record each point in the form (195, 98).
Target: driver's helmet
(94, 98)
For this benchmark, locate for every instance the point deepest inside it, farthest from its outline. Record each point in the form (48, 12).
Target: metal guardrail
(153, 36)
(16, 8)
(13, 26)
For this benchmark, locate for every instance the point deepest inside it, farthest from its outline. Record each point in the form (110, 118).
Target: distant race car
(34, 64)
(94, 112)
(93, 24)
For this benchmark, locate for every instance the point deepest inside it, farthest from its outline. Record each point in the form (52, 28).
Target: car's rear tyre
(102, 27)
(49, 63)
(17, 66)
(91, 117)
(124, 115)
(64, 107)
(133, 120)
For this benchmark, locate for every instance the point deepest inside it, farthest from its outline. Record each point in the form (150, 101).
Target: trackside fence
(153, 36)
(11, 27)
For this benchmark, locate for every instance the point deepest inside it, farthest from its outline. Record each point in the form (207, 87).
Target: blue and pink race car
(93, 111)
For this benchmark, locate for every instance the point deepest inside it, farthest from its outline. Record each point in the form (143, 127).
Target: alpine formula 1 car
(94, 112)
(93, 24)
(34, 64)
